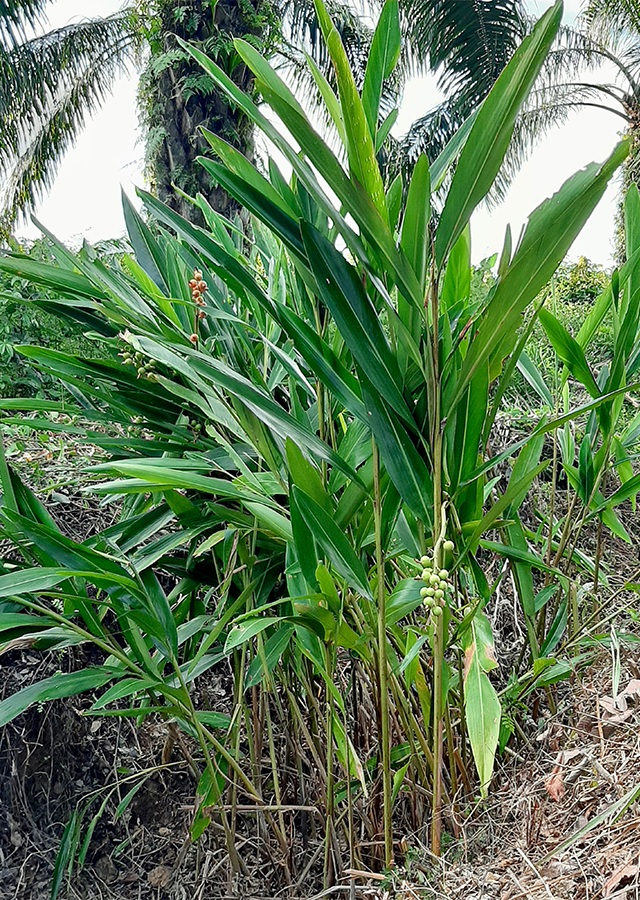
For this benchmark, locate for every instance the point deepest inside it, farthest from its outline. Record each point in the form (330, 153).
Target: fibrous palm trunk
(180, 99)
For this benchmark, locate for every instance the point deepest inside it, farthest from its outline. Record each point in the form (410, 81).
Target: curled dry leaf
(623, 874)
(554, 784)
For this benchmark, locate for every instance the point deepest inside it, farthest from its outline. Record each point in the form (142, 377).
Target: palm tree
(49, 83)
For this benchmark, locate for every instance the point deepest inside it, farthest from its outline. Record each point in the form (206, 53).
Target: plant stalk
(383, 675)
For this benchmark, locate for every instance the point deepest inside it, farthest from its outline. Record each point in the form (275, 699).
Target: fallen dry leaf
(159, 877)
(622, 873)
(554, 784)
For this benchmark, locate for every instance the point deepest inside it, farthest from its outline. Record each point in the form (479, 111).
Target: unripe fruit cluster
(437, 585)
(144, 368)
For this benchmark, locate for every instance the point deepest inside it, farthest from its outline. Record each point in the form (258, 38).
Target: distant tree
(49, 83)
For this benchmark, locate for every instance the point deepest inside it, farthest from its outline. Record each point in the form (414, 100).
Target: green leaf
(331, 101)
(569, 351)
(355, 317)
(147, 250)
(213, 719)
(404, 464)
(55, 688)
(491, 133)
(160, 609)
(64, 857)
(382, 135)
(350, 193)
(416, 234)
(259, 202)
(556, 630)
(273, 649)
(383, 56)
(515, 493)
(62, 281)
(360, 146)
(551, 230)
(404, 598)
(247, 629)
(533, 376)
(307, 477)
(333, 541)
(482, 706)
(31, 581)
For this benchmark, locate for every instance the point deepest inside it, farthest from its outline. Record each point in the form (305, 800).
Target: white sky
(85, 198)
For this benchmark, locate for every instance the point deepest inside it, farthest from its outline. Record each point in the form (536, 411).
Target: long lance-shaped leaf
(55, 688)
(315, 351)
(147, 250)
(68, 553)
(546, 427)
(404, 465)
(334, 543)
(257, 202)
(491, 132)
(448, 155)
(112, 283)
(513, 494)
(360, 144)
(61, 280)
(551, 230)
(350, 193)
(30, 581)
(481, 704)
(322, 361)
(569, 351)
(238, 163)
(330, 100)
(383, 56)
(356, 319)
(167, 476)
(416, 238)
(259, 402)
(228, 268)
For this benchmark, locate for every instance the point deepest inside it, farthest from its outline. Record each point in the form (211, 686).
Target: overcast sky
(85, 199)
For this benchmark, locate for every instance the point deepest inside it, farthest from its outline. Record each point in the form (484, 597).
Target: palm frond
(16, 16)
(466, 44)
(47, 88)
(606, 19)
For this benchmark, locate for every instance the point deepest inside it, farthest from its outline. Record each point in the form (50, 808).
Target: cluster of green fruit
(437, 583)
(145, 369)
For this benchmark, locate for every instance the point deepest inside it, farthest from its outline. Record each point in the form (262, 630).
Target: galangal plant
(302, 422)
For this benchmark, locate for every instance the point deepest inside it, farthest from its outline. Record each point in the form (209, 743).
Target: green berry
(436, 611)
(439, 594)
(444, 573)
(449, 546)
(443, 585)
(425, 561)
(434, 579)
(430, 592)
(424, 592)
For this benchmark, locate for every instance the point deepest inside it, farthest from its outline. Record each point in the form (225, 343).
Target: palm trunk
(177, 98)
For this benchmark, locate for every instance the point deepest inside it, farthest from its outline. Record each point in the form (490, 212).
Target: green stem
(438, 655)
(383, 675)
(329, 832)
